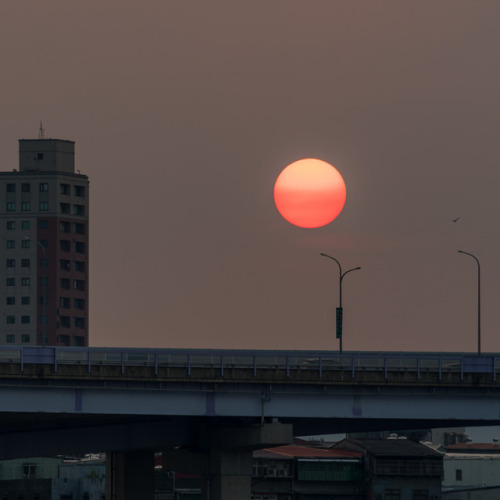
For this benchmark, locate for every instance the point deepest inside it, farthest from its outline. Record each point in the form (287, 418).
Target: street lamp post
(44, 288)
(478, 300)
(339, 309)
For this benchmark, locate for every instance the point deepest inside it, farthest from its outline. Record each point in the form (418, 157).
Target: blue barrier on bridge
(223, 359)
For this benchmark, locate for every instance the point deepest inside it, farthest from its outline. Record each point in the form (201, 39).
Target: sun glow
(309, 193)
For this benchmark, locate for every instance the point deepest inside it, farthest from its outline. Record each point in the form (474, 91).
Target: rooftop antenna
(41, 132)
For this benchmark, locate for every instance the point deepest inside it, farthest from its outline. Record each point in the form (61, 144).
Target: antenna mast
(41, 132)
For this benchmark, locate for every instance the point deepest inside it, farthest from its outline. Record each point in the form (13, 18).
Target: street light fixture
(478, 300)
(339, 309)
(44, 295)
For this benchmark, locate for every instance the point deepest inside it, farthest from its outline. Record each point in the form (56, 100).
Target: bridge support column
(130, 476)
(224, 457)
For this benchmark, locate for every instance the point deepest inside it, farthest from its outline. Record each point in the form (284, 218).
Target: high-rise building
(44, 266)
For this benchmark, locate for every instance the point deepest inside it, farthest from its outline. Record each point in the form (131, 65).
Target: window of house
(78, 210)
(11, 206)
(65, 321)
(44, 263)
(11, 281)
(79, 228)
(11, 243)
(65, 264)
(64, 227)
(420, 494)
(25, 224)
(11, 339)
(65, 283)
(79, 303)
(79, 285)
(64, 188)
(65, 207)
(44, 206)
(25, 319)
(25, 301)
(25, 263)
(79, 246)
(25, 243)
(11, 320)
(65, 245)
(65, 302)
(11, 224)
(458, 474)
(25, 339)
(392, 494)
(25, 187)
(10, 301)
(44, 319)
(44, 281)
(10, 187)
(79, 322)
(26, 206)
(11, 262)
(79, 266)
(44, 187)
(29, 471)
(39, 156)
(44, 243)
(25, 281)
(43, 224)
(63, 339)
(78, 340)
(79, 191)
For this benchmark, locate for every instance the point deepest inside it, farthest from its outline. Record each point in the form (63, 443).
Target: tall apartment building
(44, 207)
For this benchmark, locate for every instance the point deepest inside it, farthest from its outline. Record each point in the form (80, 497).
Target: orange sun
(309, 193)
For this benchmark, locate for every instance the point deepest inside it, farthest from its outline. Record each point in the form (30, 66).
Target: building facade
(44, 214)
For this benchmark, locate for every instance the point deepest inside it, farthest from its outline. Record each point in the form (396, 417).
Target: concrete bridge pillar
(223, 457)
(130, 476)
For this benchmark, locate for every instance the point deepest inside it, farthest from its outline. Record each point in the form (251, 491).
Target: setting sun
(309, 193)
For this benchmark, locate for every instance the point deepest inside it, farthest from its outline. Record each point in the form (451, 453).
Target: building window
(64, 188)
(44, 319)
(25, 339)
(392, 494)
(78, 341)
(25, 224)
(44, 243)
(79, 228)
(11, 224)
(29, 471)
(79, 266)
(78, 210)
(458, 474)
(11, 301)
(10, 188)
(25, 243)
(25, 320)
(65, 264)
(79, 322)
(65, 208)
(11, 281)
(44, 224)
(64, 227)
(79, 246)
(11, 320)
(25, 263)
(65, 302)
(25, 301)
(79, 285)
(63, 339)
(65, 245)
(26, 206)
(11, 243)
(79, 191)
(44, 206)
(65, 321)
(79, 303)
(11, 206)
(44, 187)
(44, 263)
(65, 283)
(25, 187)
(44, 281)
(11, 262)
(25, 281)
(11, 339)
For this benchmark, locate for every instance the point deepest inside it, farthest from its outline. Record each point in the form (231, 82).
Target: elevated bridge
(56, 400)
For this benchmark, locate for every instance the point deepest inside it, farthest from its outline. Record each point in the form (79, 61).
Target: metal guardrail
(287, 361)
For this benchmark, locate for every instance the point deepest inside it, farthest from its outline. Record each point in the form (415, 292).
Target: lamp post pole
(44, 288)
(339, 309)
(478, 300)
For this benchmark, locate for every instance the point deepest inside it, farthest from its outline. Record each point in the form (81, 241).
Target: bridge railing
(285, 361)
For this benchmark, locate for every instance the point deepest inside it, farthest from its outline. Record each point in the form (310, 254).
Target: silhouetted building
(44, 208)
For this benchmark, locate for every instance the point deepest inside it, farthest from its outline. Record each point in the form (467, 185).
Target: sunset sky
(185, 112)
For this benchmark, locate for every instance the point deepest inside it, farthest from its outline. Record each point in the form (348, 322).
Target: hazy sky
(185, 112)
